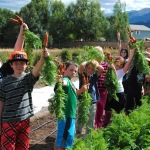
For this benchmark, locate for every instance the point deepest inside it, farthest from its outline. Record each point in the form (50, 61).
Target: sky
(106, 5)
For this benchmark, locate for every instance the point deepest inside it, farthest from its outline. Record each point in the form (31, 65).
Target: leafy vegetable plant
(84, 104)
(111, 81)
(57, 103)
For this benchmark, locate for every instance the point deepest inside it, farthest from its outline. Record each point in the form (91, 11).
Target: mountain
(140, 17)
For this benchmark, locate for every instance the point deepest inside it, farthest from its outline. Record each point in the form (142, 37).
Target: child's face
(118, 64)
(90, 69)
(71, 71)
(19, 67)
(123, 53)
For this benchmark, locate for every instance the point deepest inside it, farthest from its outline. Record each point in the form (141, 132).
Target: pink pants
(100, 109)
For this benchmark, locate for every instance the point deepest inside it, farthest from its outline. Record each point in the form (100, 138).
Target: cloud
(106, 5)
(67, 2)
(13, 5)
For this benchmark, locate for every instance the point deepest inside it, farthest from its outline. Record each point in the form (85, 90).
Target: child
(123, 52)
(92, 70)
(66, 128)
(121, 69)
(100, 106)
(16, 100)
(6, 69)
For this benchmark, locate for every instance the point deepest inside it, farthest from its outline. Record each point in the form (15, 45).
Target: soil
(42, 137)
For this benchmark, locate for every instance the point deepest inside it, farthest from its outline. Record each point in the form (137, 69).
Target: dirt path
(37, 135)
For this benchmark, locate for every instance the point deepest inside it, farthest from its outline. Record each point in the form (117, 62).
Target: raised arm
(37, 68)
(82, 67)
(99, 68)
(119, 43)
(127, 65)
(20, 39)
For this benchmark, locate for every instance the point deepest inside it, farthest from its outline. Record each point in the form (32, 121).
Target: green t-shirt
(71, 102)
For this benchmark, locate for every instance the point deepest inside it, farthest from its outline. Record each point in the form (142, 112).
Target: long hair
(127, 54)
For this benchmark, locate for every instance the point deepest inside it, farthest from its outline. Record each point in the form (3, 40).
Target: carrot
(50, 67)
(45, 42)
(132, 39)
(85, 79)
(61, 68)
(19, 19)
(14, 21)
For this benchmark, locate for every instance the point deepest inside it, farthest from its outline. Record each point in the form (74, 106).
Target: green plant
(49, 70)
(4, 55)
(111, 84)
(57, 103)
(32, 41)
(92, 141)
(140, 62)
(66, 55)
(83, 107)
(130, 132)
(124, 133)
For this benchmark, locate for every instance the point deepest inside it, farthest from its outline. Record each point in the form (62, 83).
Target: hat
(18, 55)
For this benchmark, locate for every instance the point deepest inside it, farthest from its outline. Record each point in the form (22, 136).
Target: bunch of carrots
(111, 81)
(57, 104)
(139, 60)
(32, 41)
(50, 67)
(84, 104)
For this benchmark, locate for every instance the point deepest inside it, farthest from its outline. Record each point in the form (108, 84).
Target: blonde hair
(100, 49)
(120, 59)
(92, 62)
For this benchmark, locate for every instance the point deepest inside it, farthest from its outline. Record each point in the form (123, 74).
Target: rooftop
(139, 27)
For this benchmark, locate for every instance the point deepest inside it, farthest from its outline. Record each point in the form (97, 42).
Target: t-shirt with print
(101, 84)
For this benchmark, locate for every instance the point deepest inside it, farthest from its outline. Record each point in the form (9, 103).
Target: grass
(5, 53)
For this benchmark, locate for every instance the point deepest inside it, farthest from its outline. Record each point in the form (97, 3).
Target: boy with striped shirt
(16, 100)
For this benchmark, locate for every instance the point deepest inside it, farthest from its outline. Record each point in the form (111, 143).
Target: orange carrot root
(14, 21)
(45, 42)
(19, 19)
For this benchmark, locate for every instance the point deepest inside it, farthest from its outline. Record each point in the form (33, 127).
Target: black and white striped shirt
(17, 98)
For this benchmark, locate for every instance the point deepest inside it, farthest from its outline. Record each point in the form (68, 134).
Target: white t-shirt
(120, 74)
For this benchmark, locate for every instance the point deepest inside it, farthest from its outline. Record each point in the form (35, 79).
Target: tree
(121, 21)
(8, 32)
(110, 33)
(86, 20)
(57, 23)
(36, 15)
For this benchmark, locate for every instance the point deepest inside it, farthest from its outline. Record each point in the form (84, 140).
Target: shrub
(66, 55)
(124, 133)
